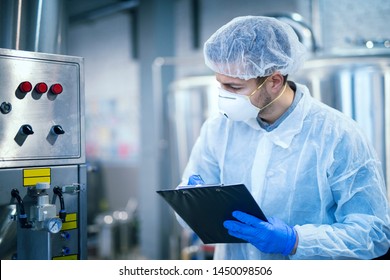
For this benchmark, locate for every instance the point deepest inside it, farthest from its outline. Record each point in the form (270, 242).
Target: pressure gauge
(54, 225)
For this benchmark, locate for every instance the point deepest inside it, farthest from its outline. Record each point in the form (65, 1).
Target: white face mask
(239, 107)
(236, 107)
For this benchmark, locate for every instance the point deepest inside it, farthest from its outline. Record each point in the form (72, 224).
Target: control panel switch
(26, 129)
(57, 130)
(5, 107)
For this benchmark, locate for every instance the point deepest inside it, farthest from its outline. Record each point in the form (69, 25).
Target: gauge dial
(54, 225)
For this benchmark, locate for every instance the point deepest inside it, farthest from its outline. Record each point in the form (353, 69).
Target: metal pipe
(387, 129)
(18, 24)
(10, 23)
(38, 25)
(34, 25)
(316, 22)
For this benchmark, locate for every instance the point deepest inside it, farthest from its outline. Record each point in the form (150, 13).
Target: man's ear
(277, 82)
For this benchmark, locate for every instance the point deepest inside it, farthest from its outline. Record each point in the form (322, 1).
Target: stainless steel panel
(41, 111)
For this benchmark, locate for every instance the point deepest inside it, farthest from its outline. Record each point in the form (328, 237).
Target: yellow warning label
(69, 257)
(71, 217)
(31, 177)
(36, 172)
(69, 225)
(70, 222)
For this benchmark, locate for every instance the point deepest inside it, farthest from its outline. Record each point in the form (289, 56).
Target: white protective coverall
(316, 171)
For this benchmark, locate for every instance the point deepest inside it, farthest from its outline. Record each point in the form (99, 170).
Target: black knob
(57, 129)
(5, 107)
(26, 129)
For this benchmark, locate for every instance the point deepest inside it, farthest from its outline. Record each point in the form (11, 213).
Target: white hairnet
(254, 46)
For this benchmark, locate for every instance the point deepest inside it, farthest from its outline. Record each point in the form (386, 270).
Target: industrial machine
(43, 173)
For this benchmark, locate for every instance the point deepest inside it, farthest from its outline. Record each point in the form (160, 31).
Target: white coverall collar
(292, 125)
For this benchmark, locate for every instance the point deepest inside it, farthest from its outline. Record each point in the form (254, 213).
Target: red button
(25, 87)
(41, 87)
(56, 88)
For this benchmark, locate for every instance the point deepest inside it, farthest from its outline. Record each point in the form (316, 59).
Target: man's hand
(273, 236)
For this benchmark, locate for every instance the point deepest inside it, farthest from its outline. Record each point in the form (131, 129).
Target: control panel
(40, 111)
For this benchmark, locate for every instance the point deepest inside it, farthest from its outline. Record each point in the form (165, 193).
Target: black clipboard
(205, 208)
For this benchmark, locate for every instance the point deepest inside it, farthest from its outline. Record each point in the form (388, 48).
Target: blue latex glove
(273, 236)
(195, 180)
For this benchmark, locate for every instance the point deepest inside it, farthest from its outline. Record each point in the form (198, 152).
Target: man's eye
(235, 88)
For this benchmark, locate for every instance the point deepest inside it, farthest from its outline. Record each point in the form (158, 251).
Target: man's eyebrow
(230, 83)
